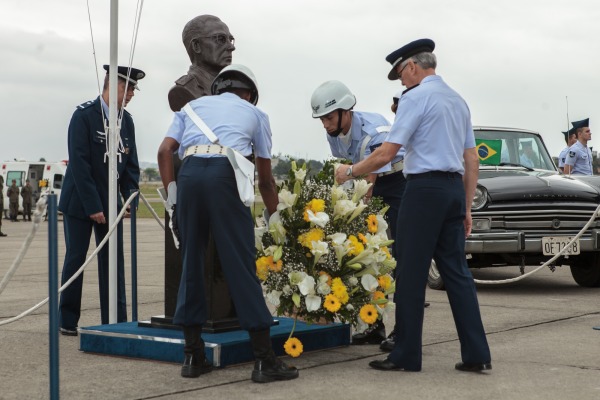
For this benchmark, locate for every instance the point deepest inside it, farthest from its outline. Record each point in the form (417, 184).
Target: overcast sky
(514, 61)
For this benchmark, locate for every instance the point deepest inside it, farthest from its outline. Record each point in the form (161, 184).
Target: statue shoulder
(184, 80)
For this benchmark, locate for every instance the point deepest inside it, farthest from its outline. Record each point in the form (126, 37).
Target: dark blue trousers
(77, 240)
(431, 225)
(208, 202)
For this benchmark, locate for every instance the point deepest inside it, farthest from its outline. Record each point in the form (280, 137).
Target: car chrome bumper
(520, 242)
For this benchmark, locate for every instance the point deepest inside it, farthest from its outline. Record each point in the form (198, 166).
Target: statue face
(212, 52)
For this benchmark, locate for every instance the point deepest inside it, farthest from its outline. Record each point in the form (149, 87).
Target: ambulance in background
(44, 177)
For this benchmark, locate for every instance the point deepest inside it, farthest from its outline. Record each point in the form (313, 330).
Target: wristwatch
(349, 171)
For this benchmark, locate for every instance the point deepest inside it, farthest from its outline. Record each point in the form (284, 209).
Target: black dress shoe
(427, 304)
(388, 344)
(3, 234)
(472, 367)
(273, 369)
(384, 365)
(68, 332)
(375, 334)
(194, 366)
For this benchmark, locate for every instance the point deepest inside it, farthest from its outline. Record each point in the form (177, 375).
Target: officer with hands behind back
(207, 202)
(579, 157)
(433, 123)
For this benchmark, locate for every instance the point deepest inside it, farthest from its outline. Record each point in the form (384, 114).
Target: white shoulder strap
(367, 139)
(200, 123)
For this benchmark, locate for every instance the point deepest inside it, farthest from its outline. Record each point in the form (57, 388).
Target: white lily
(338, 238)
(319, 248)
(296, 277)
(274, 297)
(369, 282)
(300, 174)
(258, 235)
(313, 302)
(307, 285)
(381, 225)
(361, 187)
(286, 199)
(343, 208)
(359, 208)
(320, 218)
(276, 228)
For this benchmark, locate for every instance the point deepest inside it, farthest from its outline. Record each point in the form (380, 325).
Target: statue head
(208, 43)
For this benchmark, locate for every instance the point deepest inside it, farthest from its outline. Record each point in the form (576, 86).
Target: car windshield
(517, 148)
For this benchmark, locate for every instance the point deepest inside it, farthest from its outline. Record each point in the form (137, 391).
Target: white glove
(171, 194)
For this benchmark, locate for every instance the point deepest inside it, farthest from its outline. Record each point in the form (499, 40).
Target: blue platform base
(222, 349)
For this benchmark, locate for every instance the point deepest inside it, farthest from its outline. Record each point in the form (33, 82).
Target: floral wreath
(324, 256)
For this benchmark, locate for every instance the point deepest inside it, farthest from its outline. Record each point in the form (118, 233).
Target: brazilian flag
(489, 151)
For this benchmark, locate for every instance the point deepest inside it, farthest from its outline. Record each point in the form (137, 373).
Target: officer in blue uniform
(84, 197)
(570, 139)
(579, 158)
(207, 203)
(354, 135)
(441, 166)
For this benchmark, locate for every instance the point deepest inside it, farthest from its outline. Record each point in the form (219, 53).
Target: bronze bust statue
(209, 45)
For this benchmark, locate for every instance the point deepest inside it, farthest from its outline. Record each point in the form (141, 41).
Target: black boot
(374, 334)
(267, 367)
(195, 363)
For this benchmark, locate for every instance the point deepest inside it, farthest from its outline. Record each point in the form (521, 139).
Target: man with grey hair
(209, 45)
(441, 165)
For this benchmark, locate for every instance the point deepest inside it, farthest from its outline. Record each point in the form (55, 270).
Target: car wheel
(585, 269)
(434, 280)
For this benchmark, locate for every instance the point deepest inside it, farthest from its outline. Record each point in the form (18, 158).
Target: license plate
(552, 245)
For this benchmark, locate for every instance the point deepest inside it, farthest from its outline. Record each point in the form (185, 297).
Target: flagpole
(113, 135)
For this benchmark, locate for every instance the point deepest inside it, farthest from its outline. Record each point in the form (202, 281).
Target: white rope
(156, 217)
(550, 261)
(80, 271)
(37, 218)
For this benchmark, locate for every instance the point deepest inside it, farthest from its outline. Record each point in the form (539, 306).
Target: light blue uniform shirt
(580, 158)
(367, 132)
(562, 157)
(235, 122)
(434, 124)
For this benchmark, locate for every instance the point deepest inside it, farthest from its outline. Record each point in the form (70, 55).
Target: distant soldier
(570, 138)
(1, 204)
(26, 195)
(13, 200)
(579, 158)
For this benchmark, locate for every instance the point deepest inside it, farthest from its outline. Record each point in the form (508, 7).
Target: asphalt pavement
(540, 332)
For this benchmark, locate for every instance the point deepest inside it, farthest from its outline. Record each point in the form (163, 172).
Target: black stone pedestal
(221, 311)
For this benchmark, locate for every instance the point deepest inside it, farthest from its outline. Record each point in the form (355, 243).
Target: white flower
(338, 238)
(307, 285)
(313, 302)
(359, 208)
(276, 228)
(269, 251)
(349, 307)
(352, 281)
(381, 225)
(361, 326)
(296, 277)
(300, 174)
(338, 193)
(319, 249)
(361, 187)
(320, 218)
(287, 290)
(286, 200)
(273, 297)
(369, 282)
(323, 288)
(258, 234)
(343, 208)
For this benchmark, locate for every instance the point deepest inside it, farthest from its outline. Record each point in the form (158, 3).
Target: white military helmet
(331, 96)
(236, 76)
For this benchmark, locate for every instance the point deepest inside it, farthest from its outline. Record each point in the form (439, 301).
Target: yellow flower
(339, 290)
(362, 238)
(387, 252)
(356, 247)
(261, 271)
(313, 235)
(343, 297)
(293, 347)
(385, 281)
(372, 223)
(332, 303)
(379, 295)
(275, 266)
(368, 313)
(315, 205)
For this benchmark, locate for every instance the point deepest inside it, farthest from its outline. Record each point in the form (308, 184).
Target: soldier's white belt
(206, 149)
(396, 167)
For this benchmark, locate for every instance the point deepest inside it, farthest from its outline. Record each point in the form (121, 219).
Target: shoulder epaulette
(184, 80)
(85, 105)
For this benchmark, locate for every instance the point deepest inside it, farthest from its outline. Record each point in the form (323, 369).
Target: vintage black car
(525, 210)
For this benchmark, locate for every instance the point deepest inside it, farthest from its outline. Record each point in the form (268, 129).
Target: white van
(44, 177)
